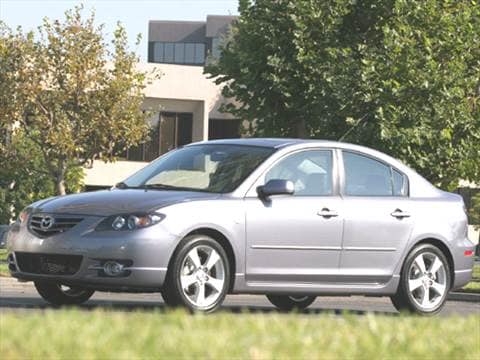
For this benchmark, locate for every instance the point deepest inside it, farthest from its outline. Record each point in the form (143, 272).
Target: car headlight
(124, 222)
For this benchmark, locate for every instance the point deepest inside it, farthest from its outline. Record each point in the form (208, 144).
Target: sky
(133, 14)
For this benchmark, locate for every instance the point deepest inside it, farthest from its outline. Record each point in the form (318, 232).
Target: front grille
(47, 225)
(48, 264)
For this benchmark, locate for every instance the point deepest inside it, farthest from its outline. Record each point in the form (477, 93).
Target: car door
(378, 218)
(296, 238)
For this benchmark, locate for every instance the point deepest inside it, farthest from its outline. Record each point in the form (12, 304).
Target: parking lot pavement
(15, 296)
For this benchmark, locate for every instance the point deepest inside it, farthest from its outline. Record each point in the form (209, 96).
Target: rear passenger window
(365, 176)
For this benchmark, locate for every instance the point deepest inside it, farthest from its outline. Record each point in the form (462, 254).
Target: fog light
(112, 268)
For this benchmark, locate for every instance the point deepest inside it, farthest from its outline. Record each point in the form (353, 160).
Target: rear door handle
(327, 213)
(399, 214)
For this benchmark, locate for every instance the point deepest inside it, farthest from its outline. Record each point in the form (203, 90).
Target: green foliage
(24, 178)
(99, 334)
(70, 94)
(400, 76)
(3, 263)
(474, 211)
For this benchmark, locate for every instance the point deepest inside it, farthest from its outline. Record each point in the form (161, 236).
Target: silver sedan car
(288, 218)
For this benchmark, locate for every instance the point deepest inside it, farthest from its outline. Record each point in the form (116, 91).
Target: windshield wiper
(170, 187)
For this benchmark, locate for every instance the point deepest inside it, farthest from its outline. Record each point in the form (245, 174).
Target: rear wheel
(199, 276)
(424, 282)
(58, 294)
(291, 302)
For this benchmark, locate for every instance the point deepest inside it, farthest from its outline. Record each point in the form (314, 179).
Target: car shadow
(32, 303)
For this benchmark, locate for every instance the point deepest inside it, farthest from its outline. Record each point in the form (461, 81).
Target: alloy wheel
(202, 276)
(427, 280)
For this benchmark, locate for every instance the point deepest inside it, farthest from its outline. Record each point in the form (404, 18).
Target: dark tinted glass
(199, 53)
(168, 54)
(189, 53)
(158, 52)
(180, 53)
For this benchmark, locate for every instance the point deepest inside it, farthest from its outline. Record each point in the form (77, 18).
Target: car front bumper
(145, 254)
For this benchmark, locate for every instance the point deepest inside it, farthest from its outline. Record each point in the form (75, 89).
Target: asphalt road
(23, 297)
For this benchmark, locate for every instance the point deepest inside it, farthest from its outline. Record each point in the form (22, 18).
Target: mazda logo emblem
(47, 222)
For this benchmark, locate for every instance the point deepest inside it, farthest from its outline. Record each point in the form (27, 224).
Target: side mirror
(276, 187)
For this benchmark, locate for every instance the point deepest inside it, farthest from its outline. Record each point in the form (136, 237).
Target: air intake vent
(49, 264)
(47, 225)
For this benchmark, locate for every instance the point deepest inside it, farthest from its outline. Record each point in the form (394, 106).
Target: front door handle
(399, 214)
(327, 213)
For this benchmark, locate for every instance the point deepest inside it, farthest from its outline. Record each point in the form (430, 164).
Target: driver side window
(310, 172)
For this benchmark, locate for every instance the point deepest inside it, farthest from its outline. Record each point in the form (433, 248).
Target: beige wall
(184, 82)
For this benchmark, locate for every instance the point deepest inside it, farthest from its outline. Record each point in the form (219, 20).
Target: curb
(463, 296)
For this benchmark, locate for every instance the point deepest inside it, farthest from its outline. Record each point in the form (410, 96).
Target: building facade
(187, 101)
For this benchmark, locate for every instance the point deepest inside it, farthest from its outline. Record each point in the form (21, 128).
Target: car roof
(265, 142)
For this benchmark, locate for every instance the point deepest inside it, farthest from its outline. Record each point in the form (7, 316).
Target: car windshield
(207, 167)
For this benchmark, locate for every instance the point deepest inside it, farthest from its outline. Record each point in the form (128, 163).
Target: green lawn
(3, 263)
(474, 285)
(72, 334)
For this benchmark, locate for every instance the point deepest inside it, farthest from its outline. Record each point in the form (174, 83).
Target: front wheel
(58, 294)
(291, 302)
(424, 282)
(199, 276)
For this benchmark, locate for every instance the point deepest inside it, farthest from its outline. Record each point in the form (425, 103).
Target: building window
(168, 55)
(199, 53)
(172, 130)
(223, 129)
(179, 53)
(158, 49)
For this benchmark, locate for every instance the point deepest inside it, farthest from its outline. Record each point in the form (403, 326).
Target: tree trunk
(300, 129)
(60, 186)
(60, 179)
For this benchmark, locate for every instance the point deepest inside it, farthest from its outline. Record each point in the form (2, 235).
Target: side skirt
(330, 288)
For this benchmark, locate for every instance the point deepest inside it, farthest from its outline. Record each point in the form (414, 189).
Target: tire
(57, 294)
(199, 275)
(423, 289)
(290, 302)
(169, 297)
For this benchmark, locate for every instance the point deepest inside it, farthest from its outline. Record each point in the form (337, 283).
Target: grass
(3, 263)
(100, 334)
(474, 285)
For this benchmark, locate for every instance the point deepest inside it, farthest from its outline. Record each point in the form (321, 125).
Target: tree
(71, 94)
(400, 76)
(23, 178)
(474, 211)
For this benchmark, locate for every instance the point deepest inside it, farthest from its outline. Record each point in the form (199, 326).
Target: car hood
(117, 201)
